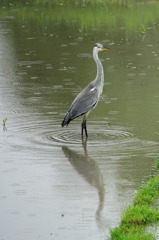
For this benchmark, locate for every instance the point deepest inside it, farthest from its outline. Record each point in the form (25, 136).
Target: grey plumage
(78, 106)
(88, 98)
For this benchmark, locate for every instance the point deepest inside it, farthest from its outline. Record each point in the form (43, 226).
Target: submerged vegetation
(131, 16)
(143, 213)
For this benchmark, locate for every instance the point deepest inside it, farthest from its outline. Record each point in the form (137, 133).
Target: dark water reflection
(52, 185)
(90, 171)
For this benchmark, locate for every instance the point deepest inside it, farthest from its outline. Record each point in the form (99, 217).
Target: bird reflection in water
(90, 171)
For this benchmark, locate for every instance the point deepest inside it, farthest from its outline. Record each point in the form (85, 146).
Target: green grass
(140, 215)
(157, 164)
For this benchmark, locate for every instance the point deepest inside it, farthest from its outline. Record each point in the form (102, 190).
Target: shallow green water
(54, 186)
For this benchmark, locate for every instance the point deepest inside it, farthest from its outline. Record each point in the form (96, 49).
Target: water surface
(53, 185)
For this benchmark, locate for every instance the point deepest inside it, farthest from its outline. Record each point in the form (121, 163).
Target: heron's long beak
(105, 48)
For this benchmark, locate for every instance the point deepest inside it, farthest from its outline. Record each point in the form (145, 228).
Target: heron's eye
(96, 45)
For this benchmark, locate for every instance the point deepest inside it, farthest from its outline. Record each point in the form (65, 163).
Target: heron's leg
(84, 127)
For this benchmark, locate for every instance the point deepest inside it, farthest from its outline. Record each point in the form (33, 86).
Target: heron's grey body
(88, 98)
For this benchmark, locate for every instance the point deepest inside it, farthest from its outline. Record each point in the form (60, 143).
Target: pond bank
(143, 213)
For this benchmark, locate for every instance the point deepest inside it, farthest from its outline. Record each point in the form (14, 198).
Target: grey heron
(88, 98)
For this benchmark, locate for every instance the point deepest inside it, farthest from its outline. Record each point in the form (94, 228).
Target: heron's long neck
(100, 73)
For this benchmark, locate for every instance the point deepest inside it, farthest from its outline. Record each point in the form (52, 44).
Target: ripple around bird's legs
(104, 137)
(43, 135)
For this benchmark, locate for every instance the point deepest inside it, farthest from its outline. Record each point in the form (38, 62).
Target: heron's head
(100, 47)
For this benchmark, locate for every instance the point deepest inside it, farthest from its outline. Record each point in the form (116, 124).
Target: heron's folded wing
(84, 101)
